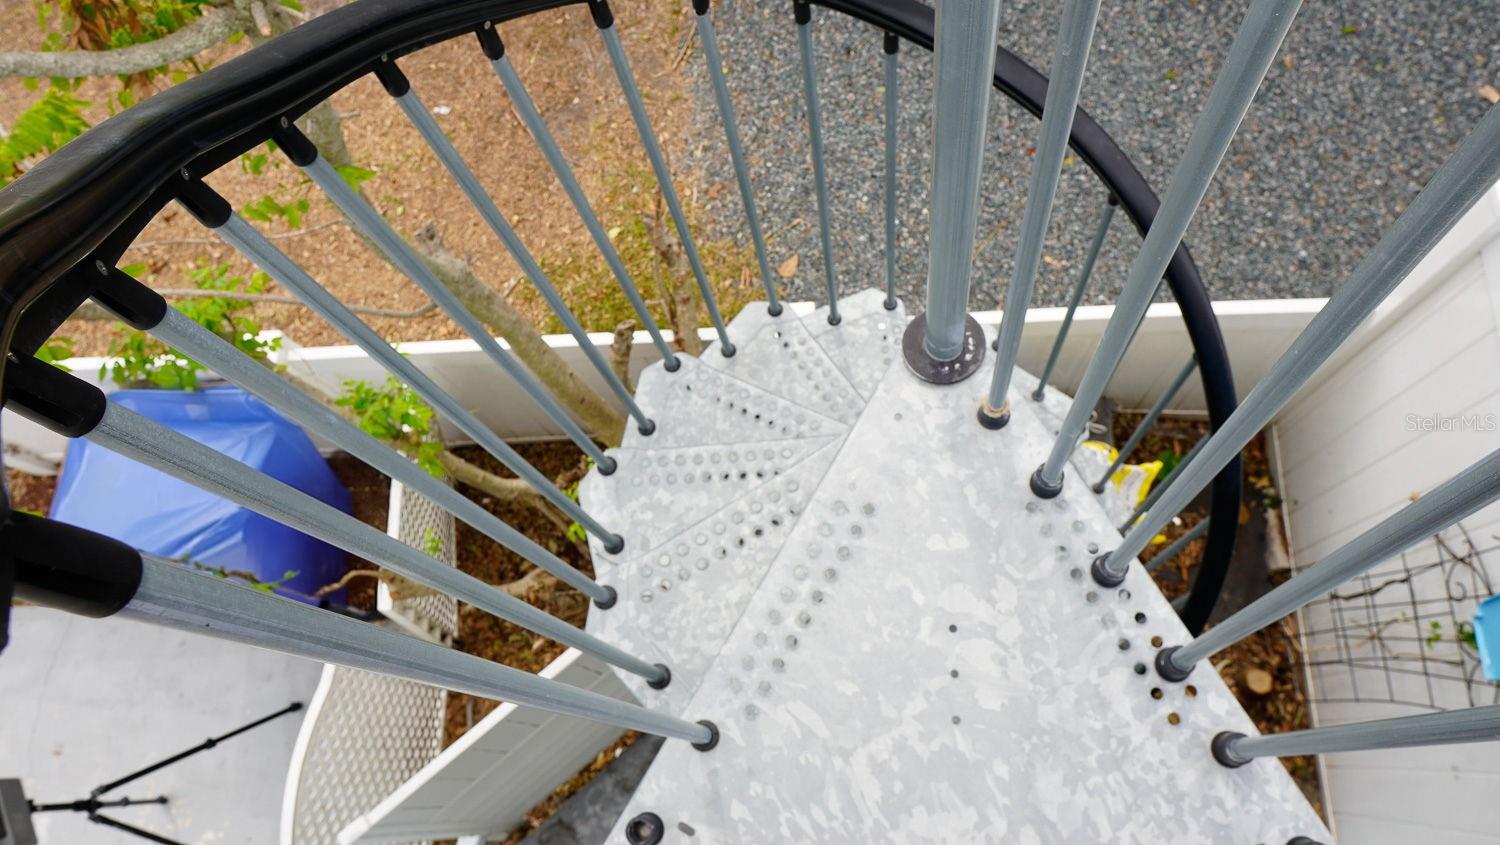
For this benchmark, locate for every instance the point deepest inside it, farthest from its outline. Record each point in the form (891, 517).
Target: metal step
(916, 652)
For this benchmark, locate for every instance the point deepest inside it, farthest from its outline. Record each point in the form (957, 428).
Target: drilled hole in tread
(1140, 618)
(1190, 691)
(1156, 642)
(1156, 693)
(1174, 719)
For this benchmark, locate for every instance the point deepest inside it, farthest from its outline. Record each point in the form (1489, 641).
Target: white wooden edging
(1411, 399)
(485, 782)
(1255, 332)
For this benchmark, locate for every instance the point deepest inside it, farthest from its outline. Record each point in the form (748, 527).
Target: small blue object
(113, 495)
(1487, 636)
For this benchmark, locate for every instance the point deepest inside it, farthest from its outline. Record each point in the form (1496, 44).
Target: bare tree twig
(216, 25)
(297, 233)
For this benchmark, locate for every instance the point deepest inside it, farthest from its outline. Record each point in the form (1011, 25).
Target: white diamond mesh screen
(366, 734)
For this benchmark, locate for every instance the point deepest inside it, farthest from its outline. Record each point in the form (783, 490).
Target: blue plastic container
(105, 492)
(1487, 636)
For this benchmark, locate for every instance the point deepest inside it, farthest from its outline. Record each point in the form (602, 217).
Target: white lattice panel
(418, 522)
(366, 734)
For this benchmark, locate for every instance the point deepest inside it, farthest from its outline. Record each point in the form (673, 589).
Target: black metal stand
(93, 804)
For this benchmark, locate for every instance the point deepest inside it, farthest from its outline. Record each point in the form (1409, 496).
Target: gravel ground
(1365, 102)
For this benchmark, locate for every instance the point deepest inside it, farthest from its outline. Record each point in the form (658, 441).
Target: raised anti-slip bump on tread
(681, 599)
(868, 340)
(659, 492)
(779, 353)
(926, 660)
(699, 405)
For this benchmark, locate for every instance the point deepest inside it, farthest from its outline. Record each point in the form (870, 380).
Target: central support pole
(946, 345)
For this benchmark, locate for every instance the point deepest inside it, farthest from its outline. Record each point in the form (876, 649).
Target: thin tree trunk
(619, 352)
(680, 289)
(588, 407)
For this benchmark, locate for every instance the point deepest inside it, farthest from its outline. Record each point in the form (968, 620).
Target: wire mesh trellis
(1403, 633)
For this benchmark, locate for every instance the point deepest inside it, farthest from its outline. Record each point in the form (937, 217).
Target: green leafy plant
(138, 359)
(249, 579)
(56, 350)
(42, 128)
(432, 544)
(395, 414)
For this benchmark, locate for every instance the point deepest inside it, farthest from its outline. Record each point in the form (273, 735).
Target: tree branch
(216, 25)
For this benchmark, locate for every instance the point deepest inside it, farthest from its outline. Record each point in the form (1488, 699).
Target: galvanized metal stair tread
(867, 339)
(698, 405)
(680, 599)
(656, 494)
(778, 353)
(915, 653)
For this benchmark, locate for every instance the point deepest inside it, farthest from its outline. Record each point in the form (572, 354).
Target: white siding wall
(1349, 454)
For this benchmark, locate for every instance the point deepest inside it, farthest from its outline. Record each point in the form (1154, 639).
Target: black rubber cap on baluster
(135, 304)
(1103, 575)
(803, 11)
(664, 680)
(203, 202)
(1220, 748)
(1041, 488)
(774, 309)
(603, 17)
(298, 147)
(614, 545)
(608, 601)
(671, 364)
(645, 829)
(713, 739)
(892, 43)
(391, 78)
(700, 6)
(647, 428)
(1302, 840)
(1167, 669)
(607, 466)
(489, 41)
(995, 421)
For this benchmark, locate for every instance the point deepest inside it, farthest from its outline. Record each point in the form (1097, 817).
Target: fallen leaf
(787, 268)
(614, 233)
(1490, 92)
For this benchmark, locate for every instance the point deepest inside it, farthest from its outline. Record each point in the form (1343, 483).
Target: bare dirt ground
(560, 57)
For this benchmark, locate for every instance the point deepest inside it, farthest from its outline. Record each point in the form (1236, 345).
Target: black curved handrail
(91, 198)
(1025, 85)
(87, 202)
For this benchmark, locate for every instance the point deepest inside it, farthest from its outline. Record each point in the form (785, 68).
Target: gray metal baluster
(892, 46)
(218, 355)
(1176, 546)
(803, 11)
(605, 21)
(1180, 603)
(1147, 421)
(369, 221)
(174, 596)
(1254, 48)
(1453, 727)
(398, 87)
(944, 344)
(379, 231)
(1161, 486)
(1074, 33)
(494, 49)
(1451, 501)
(132, 435)
(1453, 189)
(253, 245)
(715, 63)
(1089, 259)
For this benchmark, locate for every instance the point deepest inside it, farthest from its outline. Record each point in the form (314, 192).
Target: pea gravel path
(1366, 101)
